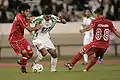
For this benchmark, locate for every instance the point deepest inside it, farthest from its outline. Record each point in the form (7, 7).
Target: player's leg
(85, 57)
(89, 53)
(52, 50)
(91, 63)
(19, 49)
(41, 53)
(98, 52)
(39, 57)
(26, 52)
(53, 54)
(30, 54)
(23, 61)
(40, 48)
(86, 41)
(78, 56)
(101, 58)
(71, 63)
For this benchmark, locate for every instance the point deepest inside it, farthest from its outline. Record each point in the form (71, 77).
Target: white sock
(39, 57)
(53, 64)
(85, 56)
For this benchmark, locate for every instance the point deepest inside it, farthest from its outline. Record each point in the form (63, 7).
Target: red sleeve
(92, 24)
(112, 28)
(22, 22)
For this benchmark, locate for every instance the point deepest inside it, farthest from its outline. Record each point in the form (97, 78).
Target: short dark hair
(99, 11)
(47, 11)
(23, 7)
(87, 8)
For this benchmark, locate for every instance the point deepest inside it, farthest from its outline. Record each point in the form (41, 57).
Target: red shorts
(19, 46)
(91, 49)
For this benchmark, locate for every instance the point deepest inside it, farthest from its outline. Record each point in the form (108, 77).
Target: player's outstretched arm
(29, 19)
(85, 29)
(117, 34)
(37, 27)
(63, 21)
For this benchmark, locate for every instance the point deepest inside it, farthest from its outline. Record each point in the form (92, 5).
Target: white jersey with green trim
(88, 37)
(47, 26)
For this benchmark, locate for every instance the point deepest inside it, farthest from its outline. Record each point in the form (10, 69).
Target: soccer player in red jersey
(19, 44)
(101, 30)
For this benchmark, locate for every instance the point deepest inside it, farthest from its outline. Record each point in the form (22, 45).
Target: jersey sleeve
(38, 19)
(92, 18)
(55, 18)
(92, 24)
(112, 28)
(22, 22)
(82, 24)
(81, 27)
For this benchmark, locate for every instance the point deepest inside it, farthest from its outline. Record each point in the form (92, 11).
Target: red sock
(24, 59)
(77, 57)
(91, 63)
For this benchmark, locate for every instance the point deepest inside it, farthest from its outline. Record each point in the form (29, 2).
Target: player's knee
(54, 55)
(43, 54)
(24, 53)
(30, 54)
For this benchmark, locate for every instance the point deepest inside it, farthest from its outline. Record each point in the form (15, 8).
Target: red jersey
(101, 31)
(17, 30)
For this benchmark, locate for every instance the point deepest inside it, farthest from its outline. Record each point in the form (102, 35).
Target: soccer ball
(37, 68)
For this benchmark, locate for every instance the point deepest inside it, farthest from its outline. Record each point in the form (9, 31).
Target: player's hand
(30, 19)
(84, 25)
(38, 26)
(81, 30)
(63, 21)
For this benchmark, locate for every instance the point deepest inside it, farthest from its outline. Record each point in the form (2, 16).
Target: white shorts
(86, 41)
(43, 43)
(88, 37)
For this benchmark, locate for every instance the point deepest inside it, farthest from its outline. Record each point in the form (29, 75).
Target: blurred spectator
(64, 14)
(35, 7)
(69, 9)
(35, 11)
(94, 4)
(71, 14)
(45, 3)
(79, 4)
(13, 4)
(3, 9)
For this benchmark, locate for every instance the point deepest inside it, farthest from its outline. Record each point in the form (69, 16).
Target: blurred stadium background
(66, 37)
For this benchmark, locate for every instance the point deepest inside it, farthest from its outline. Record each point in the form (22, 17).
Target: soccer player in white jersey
(88, 36)
(41, 37)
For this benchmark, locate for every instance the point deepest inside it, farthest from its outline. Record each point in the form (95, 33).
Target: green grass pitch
(98, 72)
